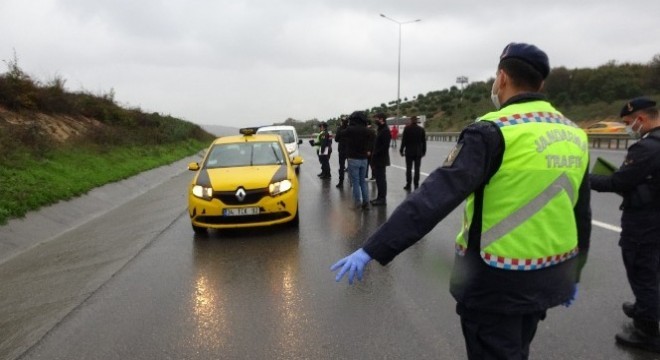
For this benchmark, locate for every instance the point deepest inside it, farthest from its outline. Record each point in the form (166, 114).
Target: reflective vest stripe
(538, 117)
(527, 264)
(528, 210)
(521, 264)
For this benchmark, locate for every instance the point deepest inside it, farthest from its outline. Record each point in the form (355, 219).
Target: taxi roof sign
(248, 131)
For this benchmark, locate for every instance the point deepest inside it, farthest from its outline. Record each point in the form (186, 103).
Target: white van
(289, 136)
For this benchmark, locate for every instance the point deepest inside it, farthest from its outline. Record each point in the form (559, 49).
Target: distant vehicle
(244, 181)
(606, 127)
(289, 136)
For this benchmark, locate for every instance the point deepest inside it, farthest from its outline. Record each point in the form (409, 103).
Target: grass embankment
(30, 183)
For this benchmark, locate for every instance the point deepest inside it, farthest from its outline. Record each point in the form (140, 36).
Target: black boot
(642, 335)
(340, 184)
(628, 309)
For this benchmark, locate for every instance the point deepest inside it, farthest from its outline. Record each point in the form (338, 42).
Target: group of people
(527, 220)
(362, 148)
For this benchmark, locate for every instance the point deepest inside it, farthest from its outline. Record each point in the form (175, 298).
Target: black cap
(380, 115)
(636, 104)
(529, 54)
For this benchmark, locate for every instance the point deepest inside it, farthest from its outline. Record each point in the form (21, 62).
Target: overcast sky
(238, 63)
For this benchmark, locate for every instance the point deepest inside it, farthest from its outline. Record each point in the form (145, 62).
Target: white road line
(404, 168)
(606, 226)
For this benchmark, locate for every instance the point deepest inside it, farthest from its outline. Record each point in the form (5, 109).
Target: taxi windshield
(245, 154)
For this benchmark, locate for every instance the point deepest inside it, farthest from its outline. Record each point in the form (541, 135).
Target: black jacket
(474, 284)
(339, 138)
(638, 181)
(413, 141)
(359, 141)
(381, 153)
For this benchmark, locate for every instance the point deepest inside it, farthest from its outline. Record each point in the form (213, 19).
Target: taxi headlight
(279, 187)
(202, 192)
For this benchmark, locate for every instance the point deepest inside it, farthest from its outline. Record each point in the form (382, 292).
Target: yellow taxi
(244, 181)
(606, 127)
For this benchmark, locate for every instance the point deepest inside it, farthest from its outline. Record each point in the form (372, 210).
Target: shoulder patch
(453, 154)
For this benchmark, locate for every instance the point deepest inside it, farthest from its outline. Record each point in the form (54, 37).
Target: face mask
(493, 95)
(630, 129)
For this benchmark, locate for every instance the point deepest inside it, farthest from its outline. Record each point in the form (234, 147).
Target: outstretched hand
(353, 264)
(574, 296)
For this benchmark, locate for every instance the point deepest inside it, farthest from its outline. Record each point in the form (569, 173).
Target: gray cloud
(247, 62)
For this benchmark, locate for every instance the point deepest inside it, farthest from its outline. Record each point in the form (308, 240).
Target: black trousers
(416, 162)
(342, 166)
(325, 165)
(379, 173)
(642, 263)
(491, 336)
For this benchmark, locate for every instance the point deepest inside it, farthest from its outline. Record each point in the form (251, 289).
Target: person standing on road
(323, 144)
(638, 181)
(527, 219)
(359, 142)
(371, 146)
(380, 159)
(394, 133)
(341, 149)
(413, 147)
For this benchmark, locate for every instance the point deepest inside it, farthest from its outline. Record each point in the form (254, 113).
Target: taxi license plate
(240, 211)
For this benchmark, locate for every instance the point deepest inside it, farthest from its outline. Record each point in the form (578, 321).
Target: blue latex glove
(353, 263)
(574, 296)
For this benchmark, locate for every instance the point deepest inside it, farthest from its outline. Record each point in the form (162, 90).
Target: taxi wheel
(298, 170)
(199, 230)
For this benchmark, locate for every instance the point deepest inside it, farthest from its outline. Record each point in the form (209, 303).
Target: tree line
(583, 94)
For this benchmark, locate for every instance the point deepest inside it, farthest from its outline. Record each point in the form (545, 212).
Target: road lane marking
(404, 168)
(606, 226)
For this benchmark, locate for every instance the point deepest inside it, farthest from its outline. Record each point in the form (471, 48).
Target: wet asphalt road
(136, 284)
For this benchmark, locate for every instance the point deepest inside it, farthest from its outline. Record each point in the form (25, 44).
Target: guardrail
(610, 141)
(596, 141)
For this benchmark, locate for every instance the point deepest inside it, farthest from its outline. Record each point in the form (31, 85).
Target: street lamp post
(462, 80)
(398, 80)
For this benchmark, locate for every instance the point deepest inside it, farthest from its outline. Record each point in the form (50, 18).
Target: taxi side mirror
(297, 160)
(193, 166)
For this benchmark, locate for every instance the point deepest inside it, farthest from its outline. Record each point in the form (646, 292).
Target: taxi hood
(248, 177)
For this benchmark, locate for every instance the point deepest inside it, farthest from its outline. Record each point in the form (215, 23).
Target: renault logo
(240, 194)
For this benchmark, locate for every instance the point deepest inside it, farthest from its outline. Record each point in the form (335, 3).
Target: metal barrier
(442, 136)
(596, 141)
(610, 141)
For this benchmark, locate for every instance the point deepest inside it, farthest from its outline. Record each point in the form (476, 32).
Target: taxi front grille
(251, 196)
(247, 219)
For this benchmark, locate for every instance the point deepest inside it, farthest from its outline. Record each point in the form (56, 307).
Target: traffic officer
(638, 181)
(323, 144)
(527, 220)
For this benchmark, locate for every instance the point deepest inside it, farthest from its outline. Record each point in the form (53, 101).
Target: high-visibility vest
(527, 214)
(317, 143)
